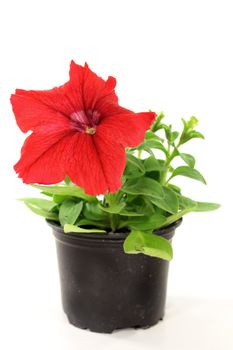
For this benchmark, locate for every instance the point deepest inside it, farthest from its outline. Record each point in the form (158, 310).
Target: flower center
(85, 121)
(90, 131)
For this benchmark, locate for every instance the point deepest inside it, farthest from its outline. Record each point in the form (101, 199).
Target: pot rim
(166, 232)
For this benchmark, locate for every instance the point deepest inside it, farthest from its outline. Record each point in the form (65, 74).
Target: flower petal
(31, 113)
(85, 91)
(128, 129)
(108, 108)
(112, 157)
(93, 89)
(97, 163)
(42, 156)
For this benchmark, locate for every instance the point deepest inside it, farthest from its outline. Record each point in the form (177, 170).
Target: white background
(174, 56)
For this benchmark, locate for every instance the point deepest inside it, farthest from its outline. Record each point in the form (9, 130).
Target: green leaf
(188, 132)
(148, 244)
(186, 203)
(147, 223)
(151, 136)
(114, 209)
(174, 136)
(113, 198)
(43, 213)
(154, 175)
(191, 123)
(129, 213)
(47, 194)
(136, 162)
(174, 188)
(205, 206)
(67, 180)
(119, 209)
(92, 211)
(134, 167)
(188, 172)
(140, 204)
(188, 159)
(196, 135)
(73, 191)
(148, 144)
(170, 135)
(157, 123)
(73, 228)
(159, 117)
(169, 202)
(144, 186)
(40, 203)
(69, 211)
(58, 198)
(93, 223)
(151, 164)
(167, 130)
(41, 207)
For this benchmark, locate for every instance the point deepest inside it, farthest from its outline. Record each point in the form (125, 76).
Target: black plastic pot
(103, 288)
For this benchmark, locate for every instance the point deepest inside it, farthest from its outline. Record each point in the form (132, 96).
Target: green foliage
(205, 206)
(169, 203)
(189, 172)
(42, 207)
(146, 201)
(151, 164)
(147, 145)
(188, 159)
(134, 167)
(149, 244)
(151, 222)
(66, 190)
(143, 186)
(189, 132)
(73, 228)
(69, 211)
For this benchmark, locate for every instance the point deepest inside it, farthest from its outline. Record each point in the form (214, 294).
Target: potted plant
(106, 174)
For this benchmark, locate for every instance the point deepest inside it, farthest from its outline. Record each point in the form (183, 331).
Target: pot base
(95, 329)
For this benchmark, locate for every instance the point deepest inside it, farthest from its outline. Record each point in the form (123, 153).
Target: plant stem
(163, 176)
(166, 182)
(104, 201)
(169, 158)
(139, 153)
(113, 221)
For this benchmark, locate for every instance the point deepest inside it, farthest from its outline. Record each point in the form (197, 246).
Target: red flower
(78, 130)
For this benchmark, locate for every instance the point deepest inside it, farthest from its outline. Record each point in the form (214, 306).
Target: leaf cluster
(147, 200)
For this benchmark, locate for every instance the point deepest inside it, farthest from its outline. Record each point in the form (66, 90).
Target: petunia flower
(78, 130)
